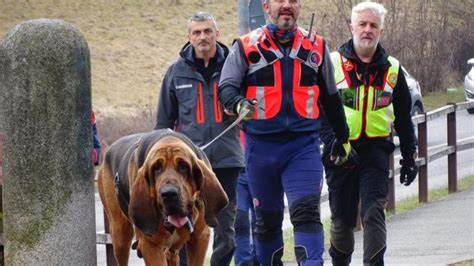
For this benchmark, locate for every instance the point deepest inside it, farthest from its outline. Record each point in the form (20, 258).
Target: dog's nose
(169, 193)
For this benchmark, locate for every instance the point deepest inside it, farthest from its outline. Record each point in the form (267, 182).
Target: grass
(438, 99)
(402, 206)
(411, 203)
(132, 42)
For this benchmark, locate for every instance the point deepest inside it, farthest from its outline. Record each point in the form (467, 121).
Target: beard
(285, 24)
(367, 44)
(204, 47)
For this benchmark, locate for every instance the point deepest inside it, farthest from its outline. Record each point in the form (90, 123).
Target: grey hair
(375, 8)
(200, 17)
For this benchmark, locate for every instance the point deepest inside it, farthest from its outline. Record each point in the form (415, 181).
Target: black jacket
(401, 99)
(189, 104)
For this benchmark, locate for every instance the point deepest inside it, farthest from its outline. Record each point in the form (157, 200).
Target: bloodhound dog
(160, 188)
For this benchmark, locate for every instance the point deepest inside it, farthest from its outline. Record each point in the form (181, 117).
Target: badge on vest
(348, 66)
(392, 79)
(384, 99)
(314, 59)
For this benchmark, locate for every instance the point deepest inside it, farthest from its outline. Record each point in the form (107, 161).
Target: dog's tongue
(177, 221)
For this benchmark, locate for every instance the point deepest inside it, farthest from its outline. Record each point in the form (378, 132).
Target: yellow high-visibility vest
(368, 110)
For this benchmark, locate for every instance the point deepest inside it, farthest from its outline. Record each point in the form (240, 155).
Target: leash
(239, 118)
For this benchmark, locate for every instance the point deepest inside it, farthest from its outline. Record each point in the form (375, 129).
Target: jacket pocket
(190, 100)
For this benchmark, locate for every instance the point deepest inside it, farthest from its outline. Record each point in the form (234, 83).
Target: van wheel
(470, 110)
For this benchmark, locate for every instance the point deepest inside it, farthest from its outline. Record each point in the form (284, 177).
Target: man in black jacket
(375, 94)
(188, 103)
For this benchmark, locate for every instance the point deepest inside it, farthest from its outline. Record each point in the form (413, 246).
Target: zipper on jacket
(287, 80)
(367, 84)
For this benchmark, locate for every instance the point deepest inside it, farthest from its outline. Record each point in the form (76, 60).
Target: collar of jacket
(186, 53)
(377, 67)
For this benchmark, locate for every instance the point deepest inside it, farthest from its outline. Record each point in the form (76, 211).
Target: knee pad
(305, 214)
(375, 233)
(268, 224)
(342, 236)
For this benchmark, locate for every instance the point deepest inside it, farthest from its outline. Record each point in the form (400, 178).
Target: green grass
(401, 206)
(132, 42)
(438, 99)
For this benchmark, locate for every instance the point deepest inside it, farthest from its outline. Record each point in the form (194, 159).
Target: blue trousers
(244, 254)
(293, 166)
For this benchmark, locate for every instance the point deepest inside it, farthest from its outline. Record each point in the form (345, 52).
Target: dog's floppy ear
(212, 193)
(142, 207)
(198, 175)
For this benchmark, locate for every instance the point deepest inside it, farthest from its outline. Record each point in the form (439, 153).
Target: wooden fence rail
(453, 145)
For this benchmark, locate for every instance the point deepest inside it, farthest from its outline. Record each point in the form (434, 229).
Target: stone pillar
(48, 193)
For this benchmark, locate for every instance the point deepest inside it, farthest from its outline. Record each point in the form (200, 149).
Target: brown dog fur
(142, 167)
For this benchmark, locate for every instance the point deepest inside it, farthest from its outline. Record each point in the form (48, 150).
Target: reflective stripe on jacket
(190, 105)
(368, 108)
(280, 82)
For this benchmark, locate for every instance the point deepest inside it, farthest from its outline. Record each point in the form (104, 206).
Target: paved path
(438, 233)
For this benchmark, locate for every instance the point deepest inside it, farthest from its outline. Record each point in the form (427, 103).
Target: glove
(351, 163)
(340, 152)
(246, 106)
(408, 171)
(352, 160)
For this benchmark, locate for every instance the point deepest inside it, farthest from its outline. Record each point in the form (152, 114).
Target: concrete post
(244, 22)
(48, 192)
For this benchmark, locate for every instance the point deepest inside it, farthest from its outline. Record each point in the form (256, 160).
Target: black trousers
(367, 183)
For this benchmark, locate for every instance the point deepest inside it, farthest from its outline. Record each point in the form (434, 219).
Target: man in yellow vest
(375, 94)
